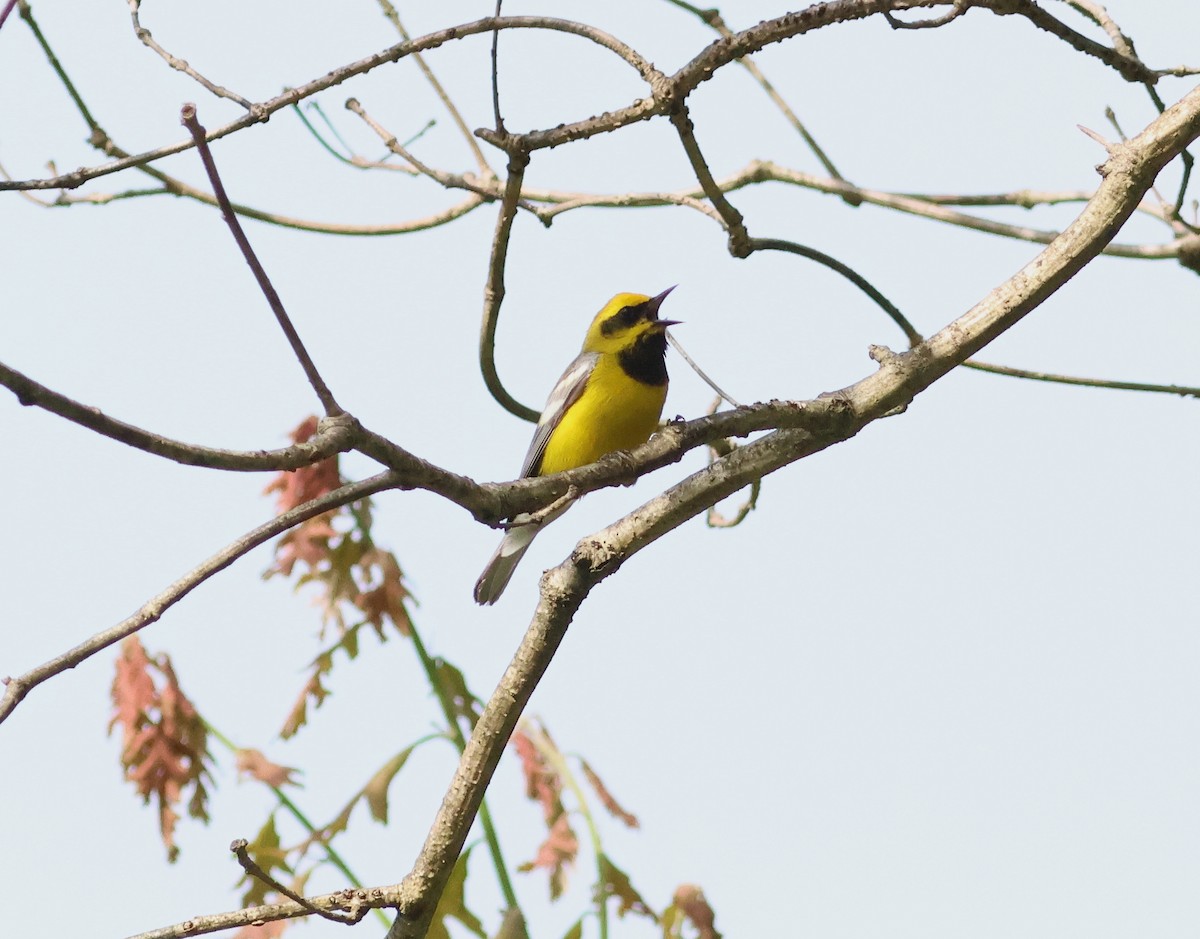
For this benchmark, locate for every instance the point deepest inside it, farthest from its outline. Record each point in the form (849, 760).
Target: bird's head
(625, 319)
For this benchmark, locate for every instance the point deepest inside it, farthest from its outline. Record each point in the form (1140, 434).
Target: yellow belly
(615, 413)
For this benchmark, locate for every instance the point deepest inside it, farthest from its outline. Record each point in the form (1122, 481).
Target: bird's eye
(623, 319)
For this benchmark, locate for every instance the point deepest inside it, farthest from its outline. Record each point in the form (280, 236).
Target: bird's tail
(499, 570)
(516, 542)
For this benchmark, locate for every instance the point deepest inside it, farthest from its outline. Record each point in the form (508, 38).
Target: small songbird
(610, 398)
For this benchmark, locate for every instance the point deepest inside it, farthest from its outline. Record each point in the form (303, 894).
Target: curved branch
(152, 610)
(335, 435)
(261, 113)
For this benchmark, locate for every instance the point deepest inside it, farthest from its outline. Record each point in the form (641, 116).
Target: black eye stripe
(627, 317)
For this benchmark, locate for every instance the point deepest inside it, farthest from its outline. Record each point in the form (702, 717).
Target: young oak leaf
(606, 797)
(254, 764)
(614, 883)
(164, 741)
(689, 905)
(556, 854)
(266, 852)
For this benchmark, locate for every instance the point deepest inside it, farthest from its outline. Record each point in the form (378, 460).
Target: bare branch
(190, 121)
(493, 291)
(334, 436)
(179, 64)
(152, 610)
(238, 847)
(1184, 391)
(262, 112)
(480, 160)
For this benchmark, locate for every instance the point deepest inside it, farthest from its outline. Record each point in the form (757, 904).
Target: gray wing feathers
(517, 539)
(568, 390)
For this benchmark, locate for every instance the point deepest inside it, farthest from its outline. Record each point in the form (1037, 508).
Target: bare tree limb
(179, 64)
(152, 610)
(190, 121)
(334, 435)
(1184, 391)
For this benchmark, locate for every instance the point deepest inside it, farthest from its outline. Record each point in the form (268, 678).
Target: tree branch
(152, 610)
(335, 435)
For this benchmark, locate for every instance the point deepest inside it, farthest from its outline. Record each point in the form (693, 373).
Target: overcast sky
(942, 684)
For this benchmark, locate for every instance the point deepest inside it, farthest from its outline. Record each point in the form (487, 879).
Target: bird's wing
(566, 393)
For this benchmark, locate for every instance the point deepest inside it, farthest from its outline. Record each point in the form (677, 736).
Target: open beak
(655, 303)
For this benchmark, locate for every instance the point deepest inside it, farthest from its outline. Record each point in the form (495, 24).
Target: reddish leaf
(295, 487)
(606, 797)
(386, 599)
(254, 764)
(541, 781)
(556, 854)
(298, 715)
(164, 740)
(690, 903)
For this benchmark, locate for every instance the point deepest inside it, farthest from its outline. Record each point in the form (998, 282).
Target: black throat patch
(644, 360)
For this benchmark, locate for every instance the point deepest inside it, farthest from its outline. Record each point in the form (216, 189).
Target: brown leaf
(614, 882)
(690, 902)
(387, 598)
(256, 765)
(606, 797)
(542, 783)
(298, 716)
(164, 740)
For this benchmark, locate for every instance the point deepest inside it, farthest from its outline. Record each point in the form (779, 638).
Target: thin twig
(179, 64)
(500, 131)
(714, 19)
(238, 847)
(480, 160)
(493, 291)
(735, 225)
(190, 121)
(8, 8)
(791, 247)
(1184, 391)
(698, 370)
(153, 609)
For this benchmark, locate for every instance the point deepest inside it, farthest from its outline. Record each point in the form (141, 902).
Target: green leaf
(614, 882)
(376, 790)
(576, 930)
(267, 854)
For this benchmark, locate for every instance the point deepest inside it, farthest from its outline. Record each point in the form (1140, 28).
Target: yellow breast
(615, 412)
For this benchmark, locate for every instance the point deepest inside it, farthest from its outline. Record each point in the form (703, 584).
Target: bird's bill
(661, 325)
(656, 302)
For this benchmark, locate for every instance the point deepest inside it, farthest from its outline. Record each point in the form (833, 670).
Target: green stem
(551, 754)
(334, 858)
(485, 815)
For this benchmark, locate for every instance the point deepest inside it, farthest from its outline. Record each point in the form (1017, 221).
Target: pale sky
(941, 684)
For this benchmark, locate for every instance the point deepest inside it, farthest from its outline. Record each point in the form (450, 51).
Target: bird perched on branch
(610, 398)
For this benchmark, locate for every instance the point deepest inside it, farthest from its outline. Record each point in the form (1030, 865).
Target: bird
(610, 398)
